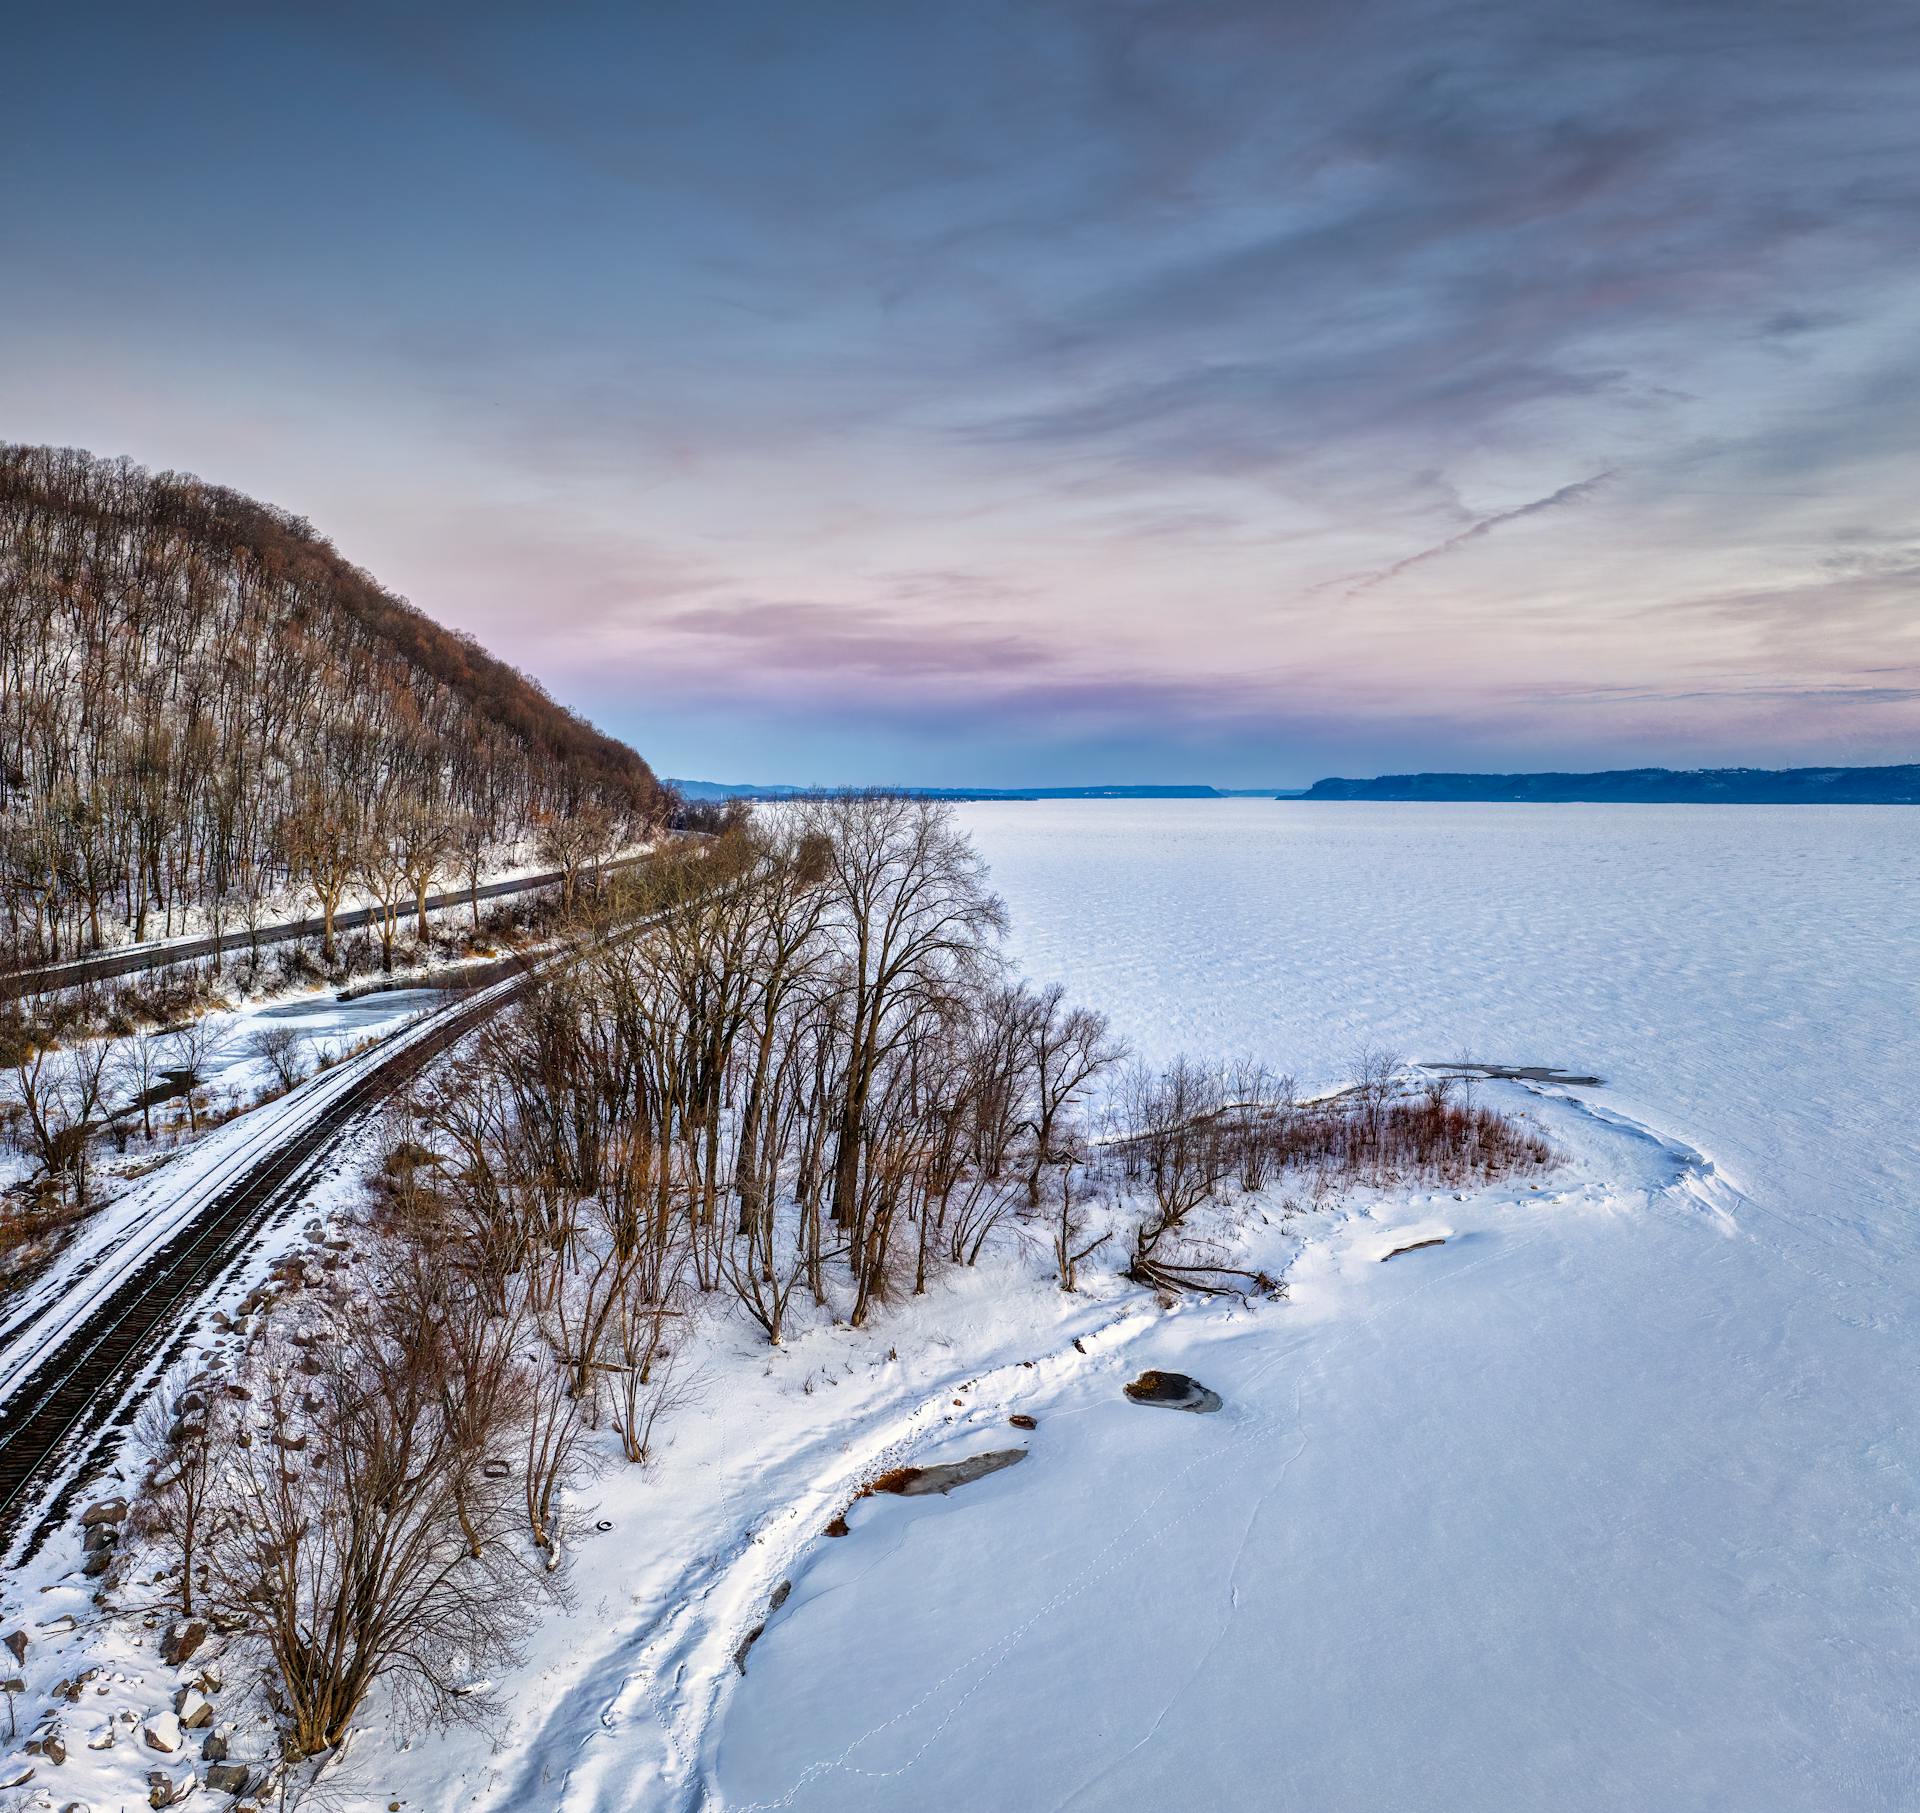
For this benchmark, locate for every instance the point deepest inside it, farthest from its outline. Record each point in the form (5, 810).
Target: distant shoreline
(1884, 786)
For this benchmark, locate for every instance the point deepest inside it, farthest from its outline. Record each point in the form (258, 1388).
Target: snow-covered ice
(1608, 1502)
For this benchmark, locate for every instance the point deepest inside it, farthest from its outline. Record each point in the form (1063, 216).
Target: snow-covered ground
(129, 1225)
(1608, 1501)
(236, 1072)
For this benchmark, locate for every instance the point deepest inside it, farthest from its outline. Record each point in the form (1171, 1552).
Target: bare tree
(382, 868)
(366, 1538)
(909, 895)
(142, 1067)
(1071, 1243)
(552, 1431)
(59, 1095)
(181, 1428)
(192, 1047)
(1181, 1135)
(1067, 1048)
(473, 846)
(573, 841)
(322, 841)
(284, 1050)
(425, 841)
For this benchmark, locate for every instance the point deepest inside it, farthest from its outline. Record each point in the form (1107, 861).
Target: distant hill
(725, 790)
(200, 699)
(1892, 786)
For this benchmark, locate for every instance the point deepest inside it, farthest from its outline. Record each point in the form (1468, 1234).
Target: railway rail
(62, 1419)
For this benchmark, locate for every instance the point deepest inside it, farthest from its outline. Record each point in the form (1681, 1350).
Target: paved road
(105, 965)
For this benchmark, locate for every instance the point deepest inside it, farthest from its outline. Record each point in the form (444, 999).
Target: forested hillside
(203, 705)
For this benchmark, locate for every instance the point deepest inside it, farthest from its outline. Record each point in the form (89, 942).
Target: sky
(1034, 391)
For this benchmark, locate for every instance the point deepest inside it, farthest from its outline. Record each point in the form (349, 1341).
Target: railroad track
(64, 1417)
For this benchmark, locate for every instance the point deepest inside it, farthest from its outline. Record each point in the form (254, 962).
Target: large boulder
(190, 1707)
(162, 1733)
(1173, 1391)
(919, 1482)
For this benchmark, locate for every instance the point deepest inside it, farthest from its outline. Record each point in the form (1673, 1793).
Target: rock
(54, 1747)
(920, 1482)
(103, 1739)
(214, 1748)
(164, 1791)
(1173, 1391)
(1413, 1246)
(58, 1627)
(162, 1733)
(182, 1639)
(14, 1684)
(228, 1778)
(16, 1779)
(191, 1709)
(1020, 1420)
(97, 1563)
(108, 1510)
(17, 1642)
(100, 1536)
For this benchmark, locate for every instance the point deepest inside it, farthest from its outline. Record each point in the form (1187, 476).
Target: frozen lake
(1613, 1504)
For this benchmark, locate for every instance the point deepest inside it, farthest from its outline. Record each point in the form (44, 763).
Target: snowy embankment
(114, 1240)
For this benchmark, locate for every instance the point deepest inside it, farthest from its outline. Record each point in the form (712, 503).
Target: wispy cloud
(1567, 494)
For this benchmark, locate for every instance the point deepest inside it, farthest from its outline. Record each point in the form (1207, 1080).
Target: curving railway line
(69, 1363)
